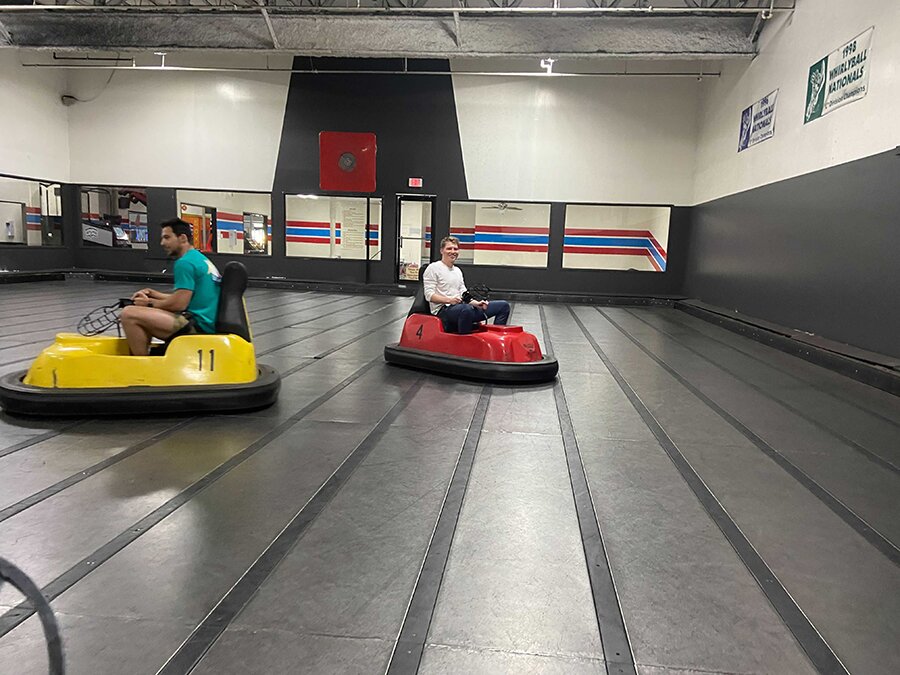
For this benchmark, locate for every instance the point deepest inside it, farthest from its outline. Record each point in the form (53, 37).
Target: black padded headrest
(232, 317)
(420, 304)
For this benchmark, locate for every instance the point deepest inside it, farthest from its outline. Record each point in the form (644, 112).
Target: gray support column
(557, 234)
(279, 247)
(70, 196)
(161, 205)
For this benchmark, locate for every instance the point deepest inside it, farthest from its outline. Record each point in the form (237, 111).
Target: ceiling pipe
(282, 10)
(763, 16)
(265, 14)
(113, 59)
(200, 69)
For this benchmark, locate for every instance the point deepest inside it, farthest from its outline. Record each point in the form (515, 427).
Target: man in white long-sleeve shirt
(444, 287)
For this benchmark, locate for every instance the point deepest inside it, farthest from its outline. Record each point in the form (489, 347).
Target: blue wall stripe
(312, 231)
(496, 238)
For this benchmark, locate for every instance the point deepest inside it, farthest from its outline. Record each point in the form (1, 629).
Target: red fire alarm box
(347, 161)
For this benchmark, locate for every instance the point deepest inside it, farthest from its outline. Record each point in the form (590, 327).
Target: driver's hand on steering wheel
(140, 299)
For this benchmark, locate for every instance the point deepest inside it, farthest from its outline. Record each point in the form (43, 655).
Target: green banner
(839, 78)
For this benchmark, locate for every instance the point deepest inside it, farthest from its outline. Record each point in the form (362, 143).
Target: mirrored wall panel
(318, 226)
(237, 223)
(114, 217)
(616, 237)
(30, 212)
(513, 234)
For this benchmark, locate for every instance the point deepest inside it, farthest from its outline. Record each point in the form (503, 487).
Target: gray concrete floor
(292, 539)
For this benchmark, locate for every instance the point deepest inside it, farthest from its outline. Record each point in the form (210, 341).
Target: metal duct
(373, 34)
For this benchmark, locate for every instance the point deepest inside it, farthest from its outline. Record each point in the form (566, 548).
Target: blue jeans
(462, 318)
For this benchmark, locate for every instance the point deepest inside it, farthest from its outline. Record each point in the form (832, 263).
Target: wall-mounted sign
(758, 122)
(840, 78)
(415, 182)
(353, 228)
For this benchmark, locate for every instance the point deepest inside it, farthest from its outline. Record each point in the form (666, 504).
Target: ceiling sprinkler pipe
(288, 10)
(211, 69)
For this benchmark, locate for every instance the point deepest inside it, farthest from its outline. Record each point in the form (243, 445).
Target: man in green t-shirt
(190, 308)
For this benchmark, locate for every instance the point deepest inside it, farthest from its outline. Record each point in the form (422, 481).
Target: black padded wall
(414, 119)
(816, 253)
(31, 258)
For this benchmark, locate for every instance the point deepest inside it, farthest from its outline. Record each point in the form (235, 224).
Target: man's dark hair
(179, 227)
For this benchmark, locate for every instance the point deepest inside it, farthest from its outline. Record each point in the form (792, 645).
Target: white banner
(758, 122)
(840, 78)
(98, 235)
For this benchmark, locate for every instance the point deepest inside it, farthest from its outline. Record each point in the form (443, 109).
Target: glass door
(415, 214)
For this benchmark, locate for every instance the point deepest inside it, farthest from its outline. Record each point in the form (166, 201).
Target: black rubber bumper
(21, 399)
(487, 371)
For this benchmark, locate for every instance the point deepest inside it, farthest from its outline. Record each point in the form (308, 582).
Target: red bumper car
(502, 354)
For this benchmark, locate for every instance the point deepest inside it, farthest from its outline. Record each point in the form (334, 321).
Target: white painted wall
(177, 128)
(788, 47)
(615, 140)
(620, 140)
(34, 131)
(17, 190)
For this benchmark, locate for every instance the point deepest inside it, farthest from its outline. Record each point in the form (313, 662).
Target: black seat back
(232, 315)
(420, 304)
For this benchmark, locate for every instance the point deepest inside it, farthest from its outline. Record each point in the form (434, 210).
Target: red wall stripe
(512, 230)
(527, 248)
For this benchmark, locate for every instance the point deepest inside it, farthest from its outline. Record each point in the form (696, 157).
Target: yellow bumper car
(197, 373)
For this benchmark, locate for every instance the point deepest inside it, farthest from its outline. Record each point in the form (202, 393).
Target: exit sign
(415, 182)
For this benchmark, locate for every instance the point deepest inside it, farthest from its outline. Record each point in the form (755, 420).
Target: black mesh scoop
(102, 319)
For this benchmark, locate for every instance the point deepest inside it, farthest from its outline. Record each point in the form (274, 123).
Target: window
(416, 216)
(256, 234)
(616, 237)
(501, 233)
(333, 227)
(114, 217)
(30, 212)
(236, 223)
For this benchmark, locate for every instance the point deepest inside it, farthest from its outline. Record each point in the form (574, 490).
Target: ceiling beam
(378, 34)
